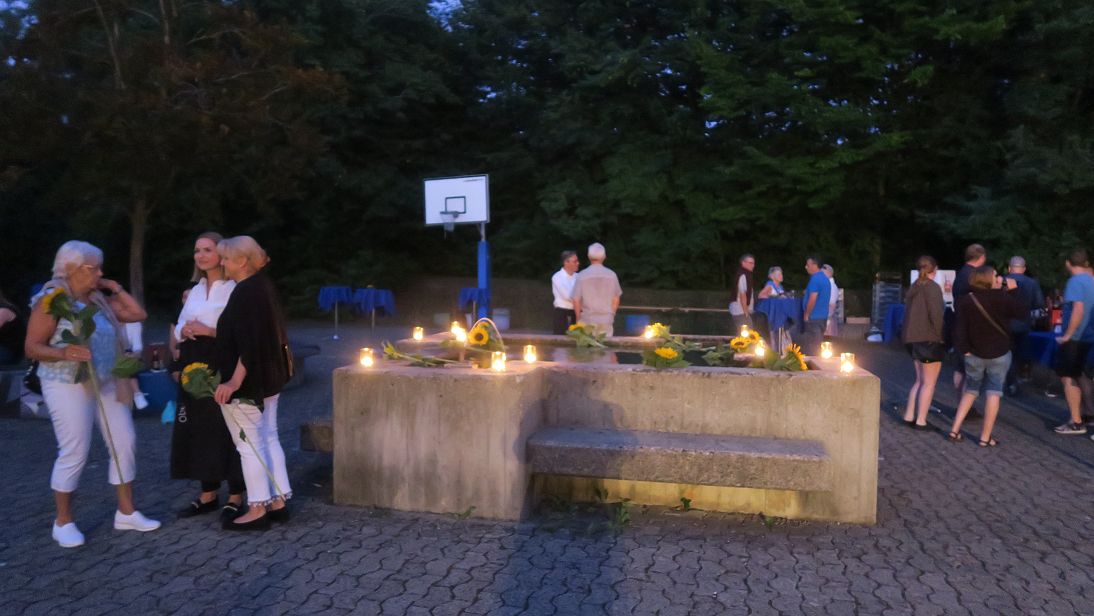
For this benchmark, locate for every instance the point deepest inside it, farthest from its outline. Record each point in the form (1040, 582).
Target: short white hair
(597, 252)
(828, 269)
(73, 254)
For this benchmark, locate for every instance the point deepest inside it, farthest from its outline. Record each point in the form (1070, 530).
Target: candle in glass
(419, 333)
(530, 353)
(497, 361)
(366, 358)
(760, 349)
(847, 362)
(826, 350)
(648, 333)
(744, 331)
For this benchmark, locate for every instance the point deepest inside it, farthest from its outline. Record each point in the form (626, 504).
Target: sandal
(956, 437)
(989, 443)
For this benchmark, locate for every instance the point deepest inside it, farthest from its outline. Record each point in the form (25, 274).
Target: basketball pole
(483, 309)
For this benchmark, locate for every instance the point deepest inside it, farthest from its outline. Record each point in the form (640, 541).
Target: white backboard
(458, 200)
(944, 278)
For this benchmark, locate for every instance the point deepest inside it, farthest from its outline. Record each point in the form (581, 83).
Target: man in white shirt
(831, 329)
(740, 309)
(597, 292)
(562, 285)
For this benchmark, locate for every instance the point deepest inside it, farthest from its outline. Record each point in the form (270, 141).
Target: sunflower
(47, 301)
(478, 335)
(575, 327)
(754, 335)
(666, 353)
(796, 351)
(740, 344)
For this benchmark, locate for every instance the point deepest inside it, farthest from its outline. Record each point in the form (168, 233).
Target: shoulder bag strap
(994, 323)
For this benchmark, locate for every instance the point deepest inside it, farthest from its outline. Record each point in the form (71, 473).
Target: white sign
(945, 279)
(458, 200)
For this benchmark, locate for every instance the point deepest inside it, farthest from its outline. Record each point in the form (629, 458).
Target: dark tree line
(679, 133)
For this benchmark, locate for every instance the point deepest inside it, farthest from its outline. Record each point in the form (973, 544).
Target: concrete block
(676, 457)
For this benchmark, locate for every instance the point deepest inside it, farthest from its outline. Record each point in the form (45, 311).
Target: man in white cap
(597, 292)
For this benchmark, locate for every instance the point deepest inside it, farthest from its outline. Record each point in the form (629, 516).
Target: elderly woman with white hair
(254, 362)
(73, 408)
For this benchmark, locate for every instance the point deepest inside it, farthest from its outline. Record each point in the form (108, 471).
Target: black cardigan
(973, 332)
(251, 328)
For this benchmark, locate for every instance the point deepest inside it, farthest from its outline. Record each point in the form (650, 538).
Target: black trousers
(563, 319)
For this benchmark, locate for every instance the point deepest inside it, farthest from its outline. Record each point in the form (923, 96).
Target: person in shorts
(981, 337)
(1076, 340)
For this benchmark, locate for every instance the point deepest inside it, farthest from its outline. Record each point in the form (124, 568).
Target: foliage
(415, 359)
(586, 336)
(664, 357)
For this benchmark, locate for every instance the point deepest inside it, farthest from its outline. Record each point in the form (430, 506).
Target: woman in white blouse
(201, 447)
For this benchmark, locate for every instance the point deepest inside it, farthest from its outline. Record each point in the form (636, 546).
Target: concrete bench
(697, 459)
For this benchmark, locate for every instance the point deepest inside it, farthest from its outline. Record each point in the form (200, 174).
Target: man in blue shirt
(817, 295)
(1076, 340)
(1033, 300)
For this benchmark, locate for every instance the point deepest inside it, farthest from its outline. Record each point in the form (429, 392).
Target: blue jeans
(989, 373)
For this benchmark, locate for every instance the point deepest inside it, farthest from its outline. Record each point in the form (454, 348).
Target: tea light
(744, 331)
(648, 333)
(419, 333)
(366, 358)
(846, 363)
(455, 326)
(497, 361)
(826, 350)
(530, 354)
(760, 349)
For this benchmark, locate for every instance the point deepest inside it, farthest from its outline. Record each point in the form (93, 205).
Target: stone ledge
(698, 459)
(317, 435)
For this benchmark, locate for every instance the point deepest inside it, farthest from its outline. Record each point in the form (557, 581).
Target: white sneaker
(68, 536)
(134, 521)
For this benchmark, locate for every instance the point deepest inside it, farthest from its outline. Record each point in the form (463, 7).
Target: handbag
(31, 380)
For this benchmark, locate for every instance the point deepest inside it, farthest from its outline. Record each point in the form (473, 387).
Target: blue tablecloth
(329, 296)
(470, 295)
(158, 387)
(380, 300)
(1041, 347)
(894, 322)
(780, 311)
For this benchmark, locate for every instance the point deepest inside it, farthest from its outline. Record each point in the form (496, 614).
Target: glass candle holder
(744, 331)
(419, 333)
(455, 325)
(497, 361)
(530, 354)
(846, 363)
(366, 357)
(826, 350)
(648, 332)
(761, 350)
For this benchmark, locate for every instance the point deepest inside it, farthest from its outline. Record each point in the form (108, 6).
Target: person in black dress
(252, 359)
(201, 447)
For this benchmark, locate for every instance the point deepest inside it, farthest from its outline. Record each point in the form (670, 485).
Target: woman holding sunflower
(70, 391)
(201, 447)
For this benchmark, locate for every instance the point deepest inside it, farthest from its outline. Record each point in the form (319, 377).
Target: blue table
(474, 297)
(330, 297)
(1041, 347)
(369, 300)
(158, 387)
(893, 324)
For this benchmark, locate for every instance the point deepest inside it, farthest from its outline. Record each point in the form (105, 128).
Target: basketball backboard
(457, 200)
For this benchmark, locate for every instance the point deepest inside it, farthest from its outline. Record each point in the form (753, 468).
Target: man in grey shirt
(596, 292)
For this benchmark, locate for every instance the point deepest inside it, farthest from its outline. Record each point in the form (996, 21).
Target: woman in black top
(981, 336)
(252, 361)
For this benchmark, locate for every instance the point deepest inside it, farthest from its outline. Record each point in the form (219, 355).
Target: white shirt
(742, 288)
(562, 285)
(834, 297)
(205, 306)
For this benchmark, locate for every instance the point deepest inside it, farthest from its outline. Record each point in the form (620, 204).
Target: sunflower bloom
(478, 335)
(666, 353)
(796, 352)
(47, 301)
(740, 344)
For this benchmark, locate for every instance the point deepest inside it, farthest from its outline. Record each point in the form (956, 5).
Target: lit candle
(461, 335)
(366, 358)
(826, 350)
(760, 349)
(497, 361)
(648, 333)
(744, 331)
(530, 353)
(419, 333)
(455, 326)
(847, 362)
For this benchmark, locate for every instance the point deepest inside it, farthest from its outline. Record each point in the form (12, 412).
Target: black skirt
(201, 447)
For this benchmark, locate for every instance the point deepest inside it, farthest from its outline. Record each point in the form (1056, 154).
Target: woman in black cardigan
(252, 360)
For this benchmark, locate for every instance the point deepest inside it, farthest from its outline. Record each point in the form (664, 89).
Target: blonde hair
(73, 254)
(217, 239)
(982, 277)
(243, 246)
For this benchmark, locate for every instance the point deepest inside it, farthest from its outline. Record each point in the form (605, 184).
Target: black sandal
(989, 443)
(956, 437)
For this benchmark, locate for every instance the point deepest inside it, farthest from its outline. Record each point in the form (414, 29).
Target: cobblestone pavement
(961, 530)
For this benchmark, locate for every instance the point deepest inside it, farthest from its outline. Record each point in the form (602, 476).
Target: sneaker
(134, 521)
(68, 536)
(1071, 428)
